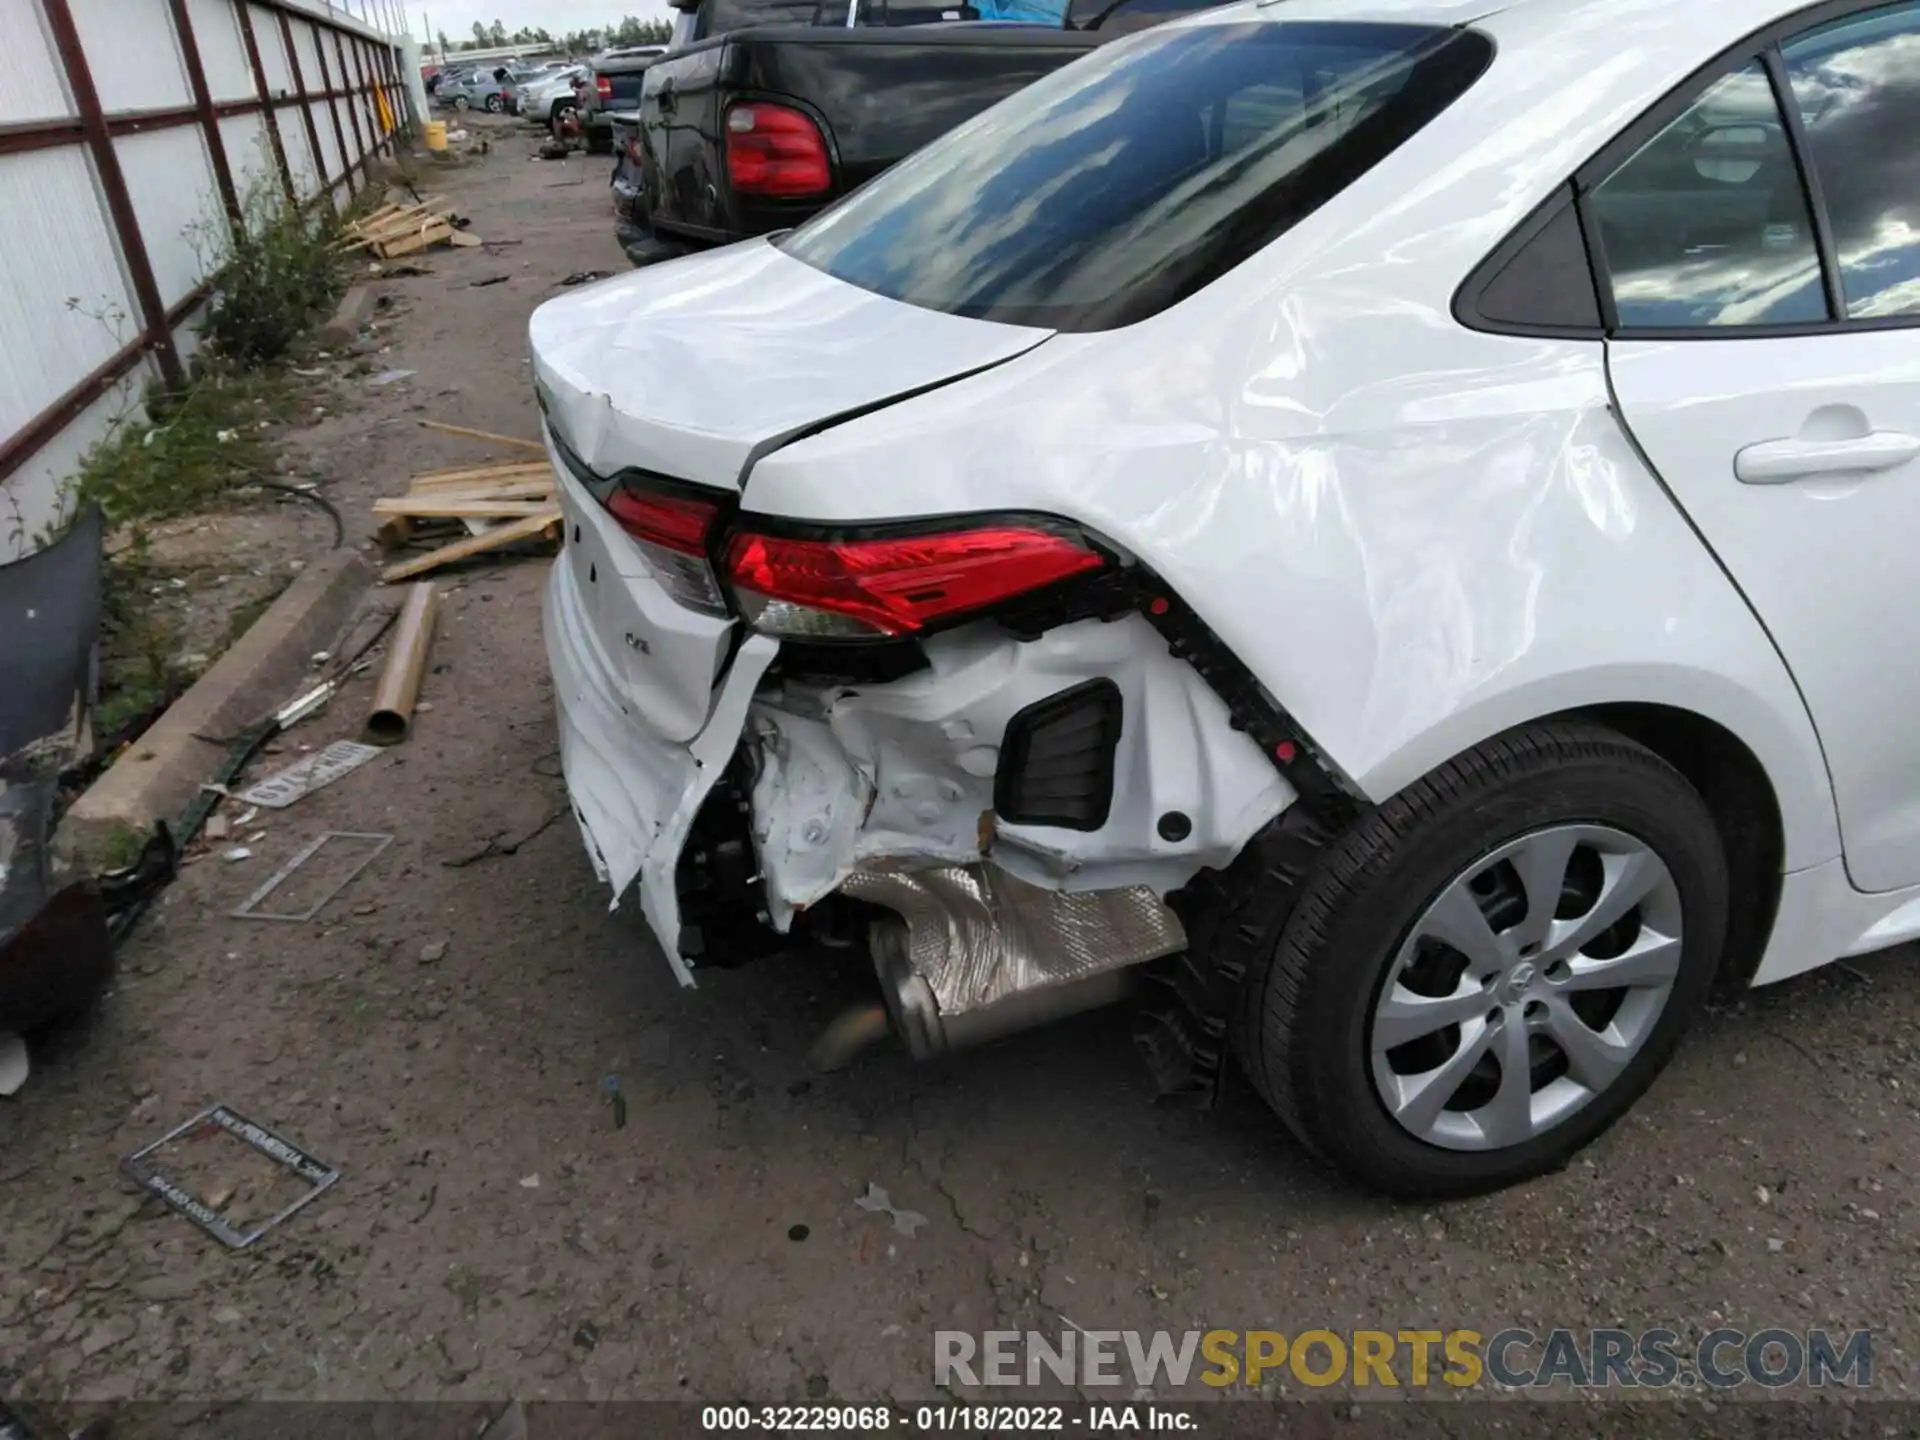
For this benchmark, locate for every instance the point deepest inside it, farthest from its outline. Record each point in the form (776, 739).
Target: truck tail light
(775, 150)
(671, 530)
(603, 87)
(878, 588)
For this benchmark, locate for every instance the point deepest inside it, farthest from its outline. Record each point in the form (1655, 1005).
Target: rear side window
(719, 17)
(1126, 181)
(1708, 224)
(1856, 84)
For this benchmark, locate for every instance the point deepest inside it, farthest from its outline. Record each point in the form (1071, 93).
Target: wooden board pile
(496, 505)
(396, 230)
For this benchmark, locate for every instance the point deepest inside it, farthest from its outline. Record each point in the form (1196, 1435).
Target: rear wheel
(1491, 967)
(494, 103)
(460, 102)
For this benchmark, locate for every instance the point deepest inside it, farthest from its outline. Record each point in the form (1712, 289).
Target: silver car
(481, 89)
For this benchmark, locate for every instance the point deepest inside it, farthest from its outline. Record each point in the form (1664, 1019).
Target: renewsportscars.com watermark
(1406, 1359)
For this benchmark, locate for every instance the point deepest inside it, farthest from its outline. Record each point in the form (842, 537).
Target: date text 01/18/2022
(978, 1419)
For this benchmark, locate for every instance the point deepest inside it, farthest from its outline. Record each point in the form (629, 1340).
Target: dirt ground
(444, 1035)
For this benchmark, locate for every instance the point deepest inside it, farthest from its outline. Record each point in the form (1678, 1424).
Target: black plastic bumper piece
(1056, 759)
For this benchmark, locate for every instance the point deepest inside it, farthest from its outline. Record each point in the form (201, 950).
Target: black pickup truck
(754, 130)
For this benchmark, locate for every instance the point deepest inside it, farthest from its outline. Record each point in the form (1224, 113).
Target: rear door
(1761, 276)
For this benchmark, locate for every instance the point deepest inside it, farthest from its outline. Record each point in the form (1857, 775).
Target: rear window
(1126, 181)
(718, 17)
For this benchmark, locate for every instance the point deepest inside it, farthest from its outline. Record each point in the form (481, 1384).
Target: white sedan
(1380, 527)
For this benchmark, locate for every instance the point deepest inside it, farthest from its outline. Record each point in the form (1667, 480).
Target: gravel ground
(443, 1035)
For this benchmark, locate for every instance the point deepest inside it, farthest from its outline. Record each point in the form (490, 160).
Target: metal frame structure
(372, 82)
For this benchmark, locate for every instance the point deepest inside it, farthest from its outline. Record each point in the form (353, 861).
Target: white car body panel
(687, 370)
(1811, 552)
(1415, 535)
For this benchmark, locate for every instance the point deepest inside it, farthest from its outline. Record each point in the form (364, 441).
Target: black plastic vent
(1056, 760)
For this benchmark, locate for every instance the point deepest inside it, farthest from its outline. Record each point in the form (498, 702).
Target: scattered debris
(236, 854)
(396, 230)
(399, 685)
(486, 280)
(554, 150)
(497, 846)
(14, 1063)
(509, 1424)
(583, 277)
(216, 827)
(610, 1087)
(249, 909)
(797, 1233)
(319, 1177)
(306, 775)
(876, 1201)
(445, 429)
(433, 953)
(530, 1182)
(391, 377)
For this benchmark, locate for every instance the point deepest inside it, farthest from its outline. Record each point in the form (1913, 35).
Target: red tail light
(870, 589)
(671, 531)
(775, 150)
(603, 87)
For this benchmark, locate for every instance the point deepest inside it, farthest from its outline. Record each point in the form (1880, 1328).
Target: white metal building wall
(118, 179)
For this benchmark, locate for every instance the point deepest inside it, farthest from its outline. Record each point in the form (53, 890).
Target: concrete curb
(158, 774)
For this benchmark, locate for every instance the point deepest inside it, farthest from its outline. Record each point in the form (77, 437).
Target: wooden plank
(475, 474)
(453, 507)
(506, 534)
(446, 429)
(532, 487)
(466, 239)
(431, 233)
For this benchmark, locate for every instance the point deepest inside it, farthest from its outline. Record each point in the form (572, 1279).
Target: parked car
(1409, 517)
(542, 97)
(481, 89)
(612, 87)
(754, 127)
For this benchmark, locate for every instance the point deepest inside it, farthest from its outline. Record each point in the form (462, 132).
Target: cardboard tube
(399, 688)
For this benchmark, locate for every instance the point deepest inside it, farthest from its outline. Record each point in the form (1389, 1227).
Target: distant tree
(479, 35)
(498, 33)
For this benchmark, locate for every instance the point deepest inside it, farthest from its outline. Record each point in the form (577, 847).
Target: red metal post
(306, 109)
(353, 97)
(333, 112)
(113, 185)
(203, 106)
(266, 99)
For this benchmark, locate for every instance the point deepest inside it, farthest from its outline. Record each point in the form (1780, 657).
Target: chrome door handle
(1774, 462)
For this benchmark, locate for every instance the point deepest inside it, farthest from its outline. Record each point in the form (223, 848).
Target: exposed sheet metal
(978, 935)
(905, 770)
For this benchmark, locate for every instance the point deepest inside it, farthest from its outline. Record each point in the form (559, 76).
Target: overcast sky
(456, 17)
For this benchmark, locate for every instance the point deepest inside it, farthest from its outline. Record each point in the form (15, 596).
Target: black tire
(460, 102)
(494, 104)
(1316, 960)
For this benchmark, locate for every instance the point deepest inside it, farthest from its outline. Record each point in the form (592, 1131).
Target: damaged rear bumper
(635, 794)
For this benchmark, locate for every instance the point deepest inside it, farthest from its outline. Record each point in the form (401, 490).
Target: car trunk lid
(690, 370)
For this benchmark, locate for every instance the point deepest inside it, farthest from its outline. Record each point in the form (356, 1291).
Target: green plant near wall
(277, 275)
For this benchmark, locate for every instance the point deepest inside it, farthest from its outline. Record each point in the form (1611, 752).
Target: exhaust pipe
(917, 1018)
(971, 953)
